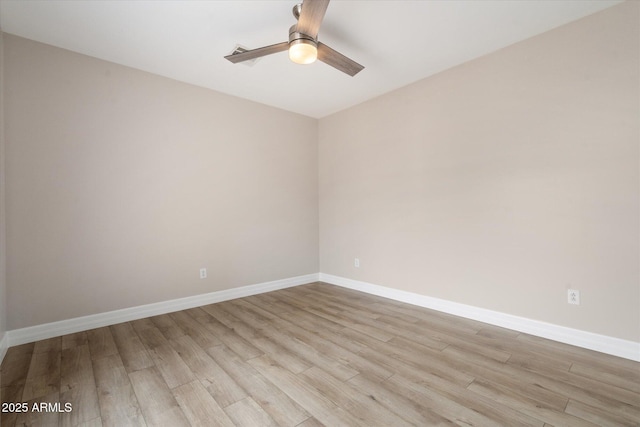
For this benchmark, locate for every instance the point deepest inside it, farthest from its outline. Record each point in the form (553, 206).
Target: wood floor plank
(424, 358)
(404, 356)
(569, 385)
(535, 361)
(314, 323)
(339, 305)
(452, 391)
(361, 406)
(489, 370)
(403, 407)
(498, 334)
(521, 351)
(85, 406)
(454, 412)
(199, 406)
(101, 343)
(293, 298)
(338, 293)
(288, 359)
(277, 404)
(217, 382)
(366, 329)
(96, 422)
(43, 377)
(526, 405)
(346, 338)
(218, 312)
(247, 413)
(171, 366)
(627, 380)
(598, 416)
(167, 326)
(577, 354)
(40, 418)
(158, 405)
(230, 338)
(9, 394)
(48, 345)
(151, 337)
(255, 316)
(195, 330)
(308, 397)
(19, 352)
(355, 308)
(413, 332)
(142, 324)
(15, 365)
(272, 303)
(329, 331)
(133, 353)
(13, 376)
(329, 348)
(119, 405)
(84, 403)
(197, 313)
(78, 386)
(74, 340)
(311, 422)
(438, 321)
(385, 310)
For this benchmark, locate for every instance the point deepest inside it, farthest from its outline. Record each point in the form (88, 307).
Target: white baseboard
(84, 323)
(602, 343)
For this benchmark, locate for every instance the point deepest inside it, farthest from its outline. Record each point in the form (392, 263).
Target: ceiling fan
(303, 44)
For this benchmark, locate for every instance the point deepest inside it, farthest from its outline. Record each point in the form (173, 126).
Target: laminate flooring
(309, 356)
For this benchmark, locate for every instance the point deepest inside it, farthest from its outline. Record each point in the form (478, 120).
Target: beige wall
(3, 247)
(500, 183)
(121, 185)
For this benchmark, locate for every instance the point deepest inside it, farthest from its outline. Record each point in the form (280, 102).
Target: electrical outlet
(356, 263)
(203, 273)
(573, 296)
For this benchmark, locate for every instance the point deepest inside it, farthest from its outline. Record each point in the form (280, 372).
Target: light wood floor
(316, 355)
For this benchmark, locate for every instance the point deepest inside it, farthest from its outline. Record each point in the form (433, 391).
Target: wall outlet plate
(573, 296)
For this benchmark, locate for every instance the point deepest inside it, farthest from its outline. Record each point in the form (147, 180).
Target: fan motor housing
(296, 37)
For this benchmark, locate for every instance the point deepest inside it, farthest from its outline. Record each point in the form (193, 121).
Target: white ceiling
(398, 42)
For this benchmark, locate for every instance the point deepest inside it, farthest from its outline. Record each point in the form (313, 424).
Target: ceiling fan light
(303, 51)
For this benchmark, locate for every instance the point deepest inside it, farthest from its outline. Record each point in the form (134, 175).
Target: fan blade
(338, 60)
(311, 16)
(257, 53)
